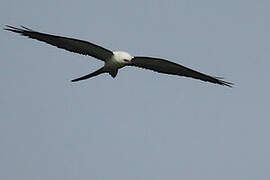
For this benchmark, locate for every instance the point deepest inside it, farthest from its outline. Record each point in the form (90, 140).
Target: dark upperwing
(73, 45)
(168, 67)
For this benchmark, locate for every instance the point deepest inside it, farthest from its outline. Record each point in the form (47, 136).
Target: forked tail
(98, 72)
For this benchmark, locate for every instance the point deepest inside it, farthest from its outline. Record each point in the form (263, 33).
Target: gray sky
(140, 125)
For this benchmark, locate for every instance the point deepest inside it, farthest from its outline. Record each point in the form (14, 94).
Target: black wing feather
(70, 44)
(168, 67)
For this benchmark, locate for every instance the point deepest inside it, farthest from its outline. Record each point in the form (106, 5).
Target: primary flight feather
(114, 60)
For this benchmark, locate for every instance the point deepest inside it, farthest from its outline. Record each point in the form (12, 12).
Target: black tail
(99, 71)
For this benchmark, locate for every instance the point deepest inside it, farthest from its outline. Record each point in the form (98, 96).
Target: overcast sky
(140, 125)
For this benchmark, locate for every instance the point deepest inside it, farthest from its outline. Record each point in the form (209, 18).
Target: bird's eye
(126, 60)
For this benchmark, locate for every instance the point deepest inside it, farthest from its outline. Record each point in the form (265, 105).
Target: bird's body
(118, 60)
(115, 60)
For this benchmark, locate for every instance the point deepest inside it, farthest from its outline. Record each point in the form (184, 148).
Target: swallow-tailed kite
(114, 60)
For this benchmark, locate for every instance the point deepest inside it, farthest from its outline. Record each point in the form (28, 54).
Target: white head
(122, 57)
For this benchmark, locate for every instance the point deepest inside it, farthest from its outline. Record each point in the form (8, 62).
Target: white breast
(120, 56)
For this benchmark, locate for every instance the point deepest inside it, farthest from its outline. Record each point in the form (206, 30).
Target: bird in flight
(114, 60)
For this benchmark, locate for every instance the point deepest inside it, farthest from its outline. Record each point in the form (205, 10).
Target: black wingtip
(224, 83)
(228, 84)
(28, 29)
(11, 28)
(16, 29)
(73, 80)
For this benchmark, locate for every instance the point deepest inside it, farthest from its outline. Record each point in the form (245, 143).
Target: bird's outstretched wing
(73, 45)
(167, 67)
